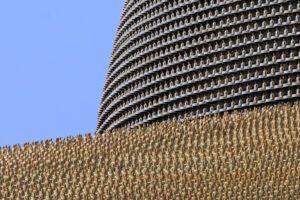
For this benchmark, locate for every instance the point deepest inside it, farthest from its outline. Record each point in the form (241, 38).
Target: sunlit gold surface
(249, 155)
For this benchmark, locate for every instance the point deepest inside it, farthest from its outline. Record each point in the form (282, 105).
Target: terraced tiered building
(184, 58)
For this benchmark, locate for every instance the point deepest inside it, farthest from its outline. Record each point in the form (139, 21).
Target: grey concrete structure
(184, 58)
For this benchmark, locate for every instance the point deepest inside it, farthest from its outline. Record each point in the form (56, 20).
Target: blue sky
(53, 60)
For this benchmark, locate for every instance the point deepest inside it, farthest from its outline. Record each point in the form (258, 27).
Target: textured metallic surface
(185, 58)
(243, 155)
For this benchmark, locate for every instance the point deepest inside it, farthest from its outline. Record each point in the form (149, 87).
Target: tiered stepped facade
(183, 58)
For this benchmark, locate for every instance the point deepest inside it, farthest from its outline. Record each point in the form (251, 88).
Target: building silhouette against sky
(184, 58)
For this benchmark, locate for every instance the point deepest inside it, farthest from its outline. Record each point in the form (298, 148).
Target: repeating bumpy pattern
(185, 58)
(249, 155)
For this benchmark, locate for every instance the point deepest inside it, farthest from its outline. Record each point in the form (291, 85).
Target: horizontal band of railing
(248, 42)
(215, 75)
(124, 15)
(206, 19)
(172, 89)
(120, 68)
(177, 110)
(189, 94)
(211, 89)
(235, 95)
(222, 109)
(195, 46)
(231, 108)
(129, 6)
(156, 17)
(112, 57)
(176, 115)
(197, 69)
(210, 78)
(133, 15)
(142, 100)
(292, 58)
(169, 43)
(175, 74)
(124, 22)
(208, 89)
(186, 15)
(197, 22)
(120, 87)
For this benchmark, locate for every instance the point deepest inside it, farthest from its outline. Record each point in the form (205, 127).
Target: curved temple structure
(183, 58)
